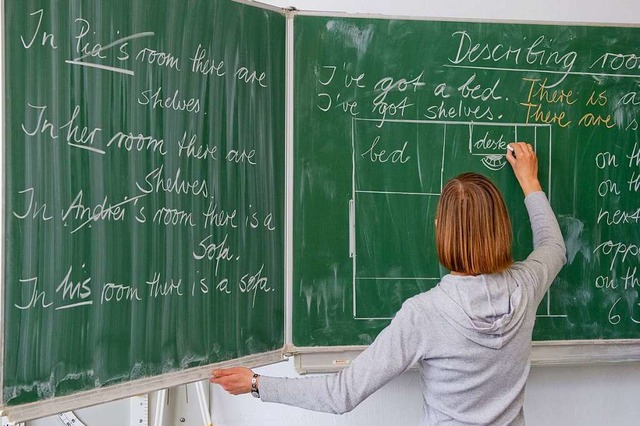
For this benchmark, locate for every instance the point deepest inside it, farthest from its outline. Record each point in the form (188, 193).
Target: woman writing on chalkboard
(471, 334)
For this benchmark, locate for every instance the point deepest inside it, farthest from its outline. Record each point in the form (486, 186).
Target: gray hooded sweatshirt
(470, 336)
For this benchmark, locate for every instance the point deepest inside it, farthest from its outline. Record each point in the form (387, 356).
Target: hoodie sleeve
(395, 349)
(549, 252)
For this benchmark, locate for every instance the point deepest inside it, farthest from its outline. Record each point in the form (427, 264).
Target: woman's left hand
(236, 381)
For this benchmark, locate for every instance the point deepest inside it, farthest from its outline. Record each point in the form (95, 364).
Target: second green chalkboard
(386, 110)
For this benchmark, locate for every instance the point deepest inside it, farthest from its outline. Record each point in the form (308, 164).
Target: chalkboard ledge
(326, 359)
(25, 412)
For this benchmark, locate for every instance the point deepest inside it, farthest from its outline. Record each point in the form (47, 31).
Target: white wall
(614, 11)
(564, 396)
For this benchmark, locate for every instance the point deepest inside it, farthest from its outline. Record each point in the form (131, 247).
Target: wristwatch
(254, 386)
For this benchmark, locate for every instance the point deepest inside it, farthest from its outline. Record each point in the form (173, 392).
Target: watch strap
(254, 386)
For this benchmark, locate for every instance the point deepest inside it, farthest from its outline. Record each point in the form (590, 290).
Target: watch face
(255, 394)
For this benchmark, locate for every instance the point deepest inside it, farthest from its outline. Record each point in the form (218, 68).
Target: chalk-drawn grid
(393, 202)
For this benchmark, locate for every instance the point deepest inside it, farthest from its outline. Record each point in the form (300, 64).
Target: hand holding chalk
(524, 162)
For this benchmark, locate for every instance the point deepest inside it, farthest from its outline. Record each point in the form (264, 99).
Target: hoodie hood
(486, 309)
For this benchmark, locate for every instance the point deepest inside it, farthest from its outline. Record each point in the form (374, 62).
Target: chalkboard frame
(2, 197)
(85, 398)
(328, 359)
(331, 359)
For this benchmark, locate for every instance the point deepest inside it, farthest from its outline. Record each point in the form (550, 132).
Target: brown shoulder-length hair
(473, 231)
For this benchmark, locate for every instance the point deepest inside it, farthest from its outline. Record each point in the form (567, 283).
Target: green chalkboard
(387, 110)
(144, 190)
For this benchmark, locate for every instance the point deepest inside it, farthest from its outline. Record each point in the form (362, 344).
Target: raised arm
(396, 349)
(549, 252)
